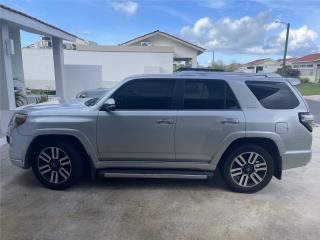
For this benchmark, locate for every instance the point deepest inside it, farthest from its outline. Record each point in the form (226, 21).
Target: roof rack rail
(185, 69)
(207, 73)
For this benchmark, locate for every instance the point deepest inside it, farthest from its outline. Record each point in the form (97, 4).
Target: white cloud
(302, 37)
(127, 7)
(253, 35)
(272, 26)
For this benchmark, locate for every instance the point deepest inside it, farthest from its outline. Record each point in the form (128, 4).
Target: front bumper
(19, 163)
(18, 146)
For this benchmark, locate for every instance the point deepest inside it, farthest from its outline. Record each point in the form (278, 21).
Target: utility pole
(285, 51)
(212, 58)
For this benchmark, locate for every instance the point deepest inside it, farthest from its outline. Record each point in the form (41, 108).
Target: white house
(155, 52)
(116, 64)
(265, 65)
(308, 66)
(183, 51)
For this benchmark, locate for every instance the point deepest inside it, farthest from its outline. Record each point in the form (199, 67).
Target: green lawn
(309, 89)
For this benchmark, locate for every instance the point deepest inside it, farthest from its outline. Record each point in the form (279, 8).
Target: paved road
(315, 109)
(117, 209)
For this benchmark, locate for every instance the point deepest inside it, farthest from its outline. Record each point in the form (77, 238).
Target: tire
(247, 169)
(57, 164)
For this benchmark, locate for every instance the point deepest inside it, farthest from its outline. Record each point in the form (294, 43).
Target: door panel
(136, 135)
(142, 125)
(199, 134)
(209, 114)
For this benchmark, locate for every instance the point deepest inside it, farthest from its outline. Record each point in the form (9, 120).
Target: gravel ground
(160, 209)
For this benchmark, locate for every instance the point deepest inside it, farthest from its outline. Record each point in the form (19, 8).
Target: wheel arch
(61, 137)
(267, 143)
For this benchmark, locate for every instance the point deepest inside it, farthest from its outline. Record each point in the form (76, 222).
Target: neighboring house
(308, 66)
(288, 61)
(46, 42)
(156, 52)
(265, 65)
(183, 52)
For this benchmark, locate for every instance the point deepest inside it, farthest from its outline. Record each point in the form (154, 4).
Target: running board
(154, 173)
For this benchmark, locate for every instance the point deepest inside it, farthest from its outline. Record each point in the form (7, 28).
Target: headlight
(20, 118)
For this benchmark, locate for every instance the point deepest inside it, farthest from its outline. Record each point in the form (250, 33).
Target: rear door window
(210, 94)
(273, 95)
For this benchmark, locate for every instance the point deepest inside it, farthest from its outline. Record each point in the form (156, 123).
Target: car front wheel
(57, 165)
(247, 169)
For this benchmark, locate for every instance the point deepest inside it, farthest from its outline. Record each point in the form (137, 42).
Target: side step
(153, 173)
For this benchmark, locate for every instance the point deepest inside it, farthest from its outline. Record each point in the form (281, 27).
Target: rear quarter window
(273, 95)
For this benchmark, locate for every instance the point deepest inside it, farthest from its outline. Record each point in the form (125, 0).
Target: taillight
(307, 120)
(20, 118)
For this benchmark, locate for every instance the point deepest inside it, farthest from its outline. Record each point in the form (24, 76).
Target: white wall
(313, 73)
(38, 64)
(89, 76)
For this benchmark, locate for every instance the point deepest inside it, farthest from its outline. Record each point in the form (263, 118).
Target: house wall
(90, 76)
(268, 67)
(312, 72)
(39, 73)
(180, 50)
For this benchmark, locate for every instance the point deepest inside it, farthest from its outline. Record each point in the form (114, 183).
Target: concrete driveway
(315, 109)
(314, 105)
(161, 209)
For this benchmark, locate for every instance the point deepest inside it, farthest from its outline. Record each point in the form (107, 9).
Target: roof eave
(33, 25)
(304, 61)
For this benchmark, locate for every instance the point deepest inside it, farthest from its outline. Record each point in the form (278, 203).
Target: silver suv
(182, 125)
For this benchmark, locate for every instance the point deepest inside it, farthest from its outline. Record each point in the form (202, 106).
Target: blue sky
(238, 30)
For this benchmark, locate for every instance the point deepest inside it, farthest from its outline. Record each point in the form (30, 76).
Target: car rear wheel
(57, 165)
(247, 169)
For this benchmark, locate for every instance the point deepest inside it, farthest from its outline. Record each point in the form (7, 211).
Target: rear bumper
(293, 159)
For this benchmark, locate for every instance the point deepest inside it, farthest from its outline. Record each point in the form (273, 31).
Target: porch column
(7, 99)
(58, 63)
(17, 64)
(194, 62)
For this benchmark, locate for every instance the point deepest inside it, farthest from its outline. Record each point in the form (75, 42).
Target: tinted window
(208, 94)
(153, 94)
(273, 95)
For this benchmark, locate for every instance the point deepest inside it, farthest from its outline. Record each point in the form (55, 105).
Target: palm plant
(19, 96)
(42, 98)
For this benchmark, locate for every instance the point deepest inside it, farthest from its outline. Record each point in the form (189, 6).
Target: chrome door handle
(165, 121)
(230, 121)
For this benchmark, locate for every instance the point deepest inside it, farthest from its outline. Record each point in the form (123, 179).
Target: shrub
(19, 96)
(304, 79)
(289, 72)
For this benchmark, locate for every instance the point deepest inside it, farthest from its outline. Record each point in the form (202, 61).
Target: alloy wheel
(248, 169)
(54, 165)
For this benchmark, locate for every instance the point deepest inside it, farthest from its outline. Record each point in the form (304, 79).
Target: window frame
(181, 95)
(174, 99)
(273, 109)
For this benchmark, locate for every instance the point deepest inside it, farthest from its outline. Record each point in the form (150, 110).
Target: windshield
(93, 101)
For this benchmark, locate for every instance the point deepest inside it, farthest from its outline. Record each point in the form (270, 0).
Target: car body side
(292, 140)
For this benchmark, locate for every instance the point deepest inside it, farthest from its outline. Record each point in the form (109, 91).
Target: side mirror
(109, 105)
